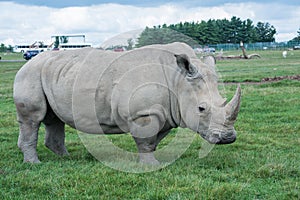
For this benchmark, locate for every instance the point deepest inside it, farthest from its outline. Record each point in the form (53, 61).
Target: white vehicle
(35, 46)
(21, 48)
(66, 45)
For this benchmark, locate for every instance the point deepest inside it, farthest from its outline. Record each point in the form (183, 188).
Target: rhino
(145, 92)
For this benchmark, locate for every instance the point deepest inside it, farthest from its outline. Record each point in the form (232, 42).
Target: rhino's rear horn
(233, 107)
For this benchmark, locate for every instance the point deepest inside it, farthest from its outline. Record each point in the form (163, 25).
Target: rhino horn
(232, 108)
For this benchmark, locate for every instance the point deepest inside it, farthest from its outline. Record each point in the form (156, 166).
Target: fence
(257, 46)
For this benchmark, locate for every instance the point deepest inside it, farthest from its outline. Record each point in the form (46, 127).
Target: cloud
(26, 24)
(144, 3)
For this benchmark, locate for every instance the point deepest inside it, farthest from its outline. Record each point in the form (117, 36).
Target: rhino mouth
(216, 136)
(227, 135)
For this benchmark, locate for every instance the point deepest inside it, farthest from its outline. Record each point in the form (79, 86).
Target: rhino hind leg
(30, 112)
(55, 133)
(27, 140)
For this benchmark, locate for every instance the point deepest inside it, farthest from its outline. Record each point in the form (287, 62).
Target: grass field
(270, 65)
(264, 162)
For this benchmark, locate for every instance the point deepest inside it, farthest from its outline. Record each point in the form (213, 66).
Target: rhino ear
(185, 65)
(209, 60)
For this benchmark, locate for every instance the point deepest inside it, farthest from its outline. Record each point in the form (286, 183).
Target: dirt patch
(268, 80)
(279, 78)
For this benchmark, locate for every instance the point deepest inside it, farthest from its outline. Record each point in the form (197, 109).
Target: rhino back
(176, 48)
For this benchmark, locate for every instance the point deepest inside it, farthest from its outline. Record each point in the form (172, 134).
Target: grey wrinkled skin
(146, 92)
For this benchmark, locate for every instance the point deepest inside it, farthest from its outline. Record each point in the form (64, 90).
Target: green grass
(271, 64)
(264, 162)
(11, 56)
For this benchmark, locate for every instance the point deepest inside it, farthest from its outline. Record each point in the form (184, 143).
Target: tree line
(296, 39)
(209, 32)
(4, 48)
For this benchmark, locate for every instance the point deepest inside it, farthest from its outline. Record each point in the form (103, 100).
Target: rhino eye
(201, 109)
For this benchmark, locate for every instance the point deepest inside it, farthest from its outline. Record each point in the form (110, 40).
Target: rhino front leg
(145, 133)
(55, 134)
(146, 147)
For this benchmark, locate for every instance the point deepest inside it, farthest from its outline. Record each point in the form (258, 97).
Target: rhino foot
(59, 150)
(34, 160)
(148, 158)
(31, 157)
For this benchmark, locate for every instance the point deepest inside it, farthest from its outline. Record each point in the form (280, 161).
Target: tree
(10, 48)
(235, 27)
(4, 48)
(223, 30)
(249, 32)
(159, 35)
(296, 39)
(265, 32)
(210, 32)
(130, 44)
(64, 39)
(56, 43)
(59, 40)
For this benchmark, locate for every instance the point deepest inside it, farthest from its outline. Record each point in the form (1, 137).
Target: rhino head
(201, 106)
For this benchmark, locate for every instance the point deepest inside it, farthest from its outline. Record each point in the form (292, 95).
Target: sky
(27, 21)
